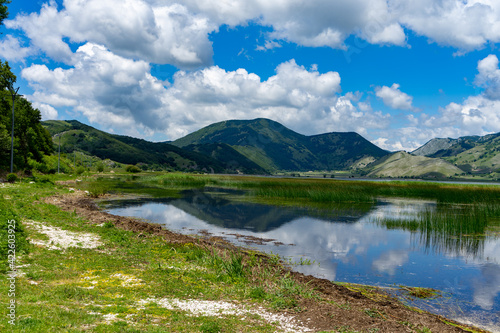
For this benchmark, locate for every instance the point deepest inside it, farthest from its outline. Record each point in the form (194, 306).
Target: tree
(4, 11)
(31, 140)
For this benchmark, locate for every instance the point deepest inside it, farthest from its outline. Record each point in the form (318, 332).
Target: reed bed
(454, 230)
(329, 190)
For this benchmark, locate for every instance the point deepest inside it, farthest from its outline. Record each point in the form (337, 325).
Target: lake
(375, 244)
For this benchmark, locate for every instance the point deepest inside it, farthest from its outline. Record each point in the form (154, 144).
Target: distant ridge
(76, 136)
(402, 164)
(472, 154)
(275, 147)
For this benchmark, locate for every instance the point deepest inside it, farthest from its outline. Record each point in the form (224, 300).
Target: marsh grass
(456, 229)
(97, 189)
(330, 190)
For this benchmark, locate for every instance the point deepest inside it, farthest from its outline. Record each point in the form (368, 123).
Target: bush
(80, 170)
(11, 177)
(96, 189)
(133, 169)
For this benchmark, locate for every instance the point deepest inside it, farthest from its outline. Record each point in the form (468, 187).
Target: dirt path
(340, 309)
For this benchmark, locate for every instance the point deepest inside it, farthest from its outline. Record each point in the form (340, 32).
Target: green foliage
(96, 189)
(132, 169)
(11, 177)
(4, 11)
(231, 159)
(231, 267)
(127, 150)
(272, 146)
(9, 220)
(100, 167)
(79, 170)
(31, 140)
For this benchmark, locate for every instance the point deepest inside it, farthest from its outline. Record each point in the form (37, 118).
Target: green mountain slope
(76, 136)
(231, 159)
(474, 154)
(402, 164)
(275, 147)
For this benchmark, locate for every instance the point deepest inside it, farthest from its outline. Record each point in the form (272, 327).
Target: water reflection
(380, 245)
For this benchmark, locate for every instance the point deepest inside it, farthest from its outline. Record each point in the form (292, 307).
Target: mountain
(402, 164)
(434, 146)
(76, 136)
(274, 147)
(231, 159)
(473, 154)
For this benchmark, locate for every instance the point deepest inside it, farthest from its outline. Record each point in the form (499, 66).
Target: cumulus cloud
(489, 77)
(121, 93)
(466, 25)
(162, 33)
(102, 86)
(477, 115)
(394, 98)
(173, 32)
(12, 50)
(47, 111)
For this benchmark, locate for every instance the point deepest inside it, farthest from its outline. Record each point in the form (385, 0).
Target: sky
(398, 72)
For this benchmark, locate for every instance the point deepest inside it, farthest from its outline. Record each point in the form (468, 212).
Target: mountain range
(472, 154)
(262, 146)
(275, 147)
(79, 137)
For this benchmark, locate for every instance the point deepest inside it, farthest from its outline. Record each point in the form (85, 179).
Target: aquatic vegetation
(456, 229)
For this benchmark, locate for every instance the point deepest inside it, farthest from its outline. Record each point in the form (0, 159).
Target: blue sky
(397, 72)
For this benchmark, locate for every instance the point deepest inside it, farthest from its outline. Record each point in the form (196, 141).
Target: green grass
(330, 190)
(74, 289)
(452, 229)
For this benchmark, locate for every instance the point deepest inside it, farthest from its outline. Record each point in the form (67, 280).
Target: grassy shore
(106, 277)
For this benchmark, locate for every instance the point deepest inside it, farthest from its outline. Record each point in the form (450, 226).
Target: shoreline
(388, 311)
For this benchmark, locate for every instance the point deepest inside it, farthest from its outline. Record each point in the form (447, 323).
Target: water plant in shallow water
(456, 229)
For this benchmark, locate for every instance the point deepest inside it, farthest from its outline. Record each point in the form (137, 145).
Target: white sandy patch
(62, 239)
(221, 308)
(110, 318)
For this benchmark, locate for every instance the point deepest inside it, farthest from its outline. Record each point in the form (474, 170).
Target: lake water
(349, 244)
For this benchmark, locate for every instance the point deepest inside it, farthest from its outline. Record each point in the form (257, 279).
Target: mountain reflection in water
(380, 244)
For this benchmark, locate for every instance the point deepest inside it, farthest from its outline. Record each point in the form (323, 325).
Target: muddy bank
(336, 308)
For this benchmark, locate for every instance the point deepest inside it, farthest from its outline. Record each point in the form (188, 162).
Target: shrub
(80, 170)
(133, 169)
(11, 177)
(96, 189)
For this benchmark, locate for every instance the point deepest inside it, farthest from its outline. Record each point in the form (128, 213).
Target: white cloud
(131, 28)
(106, 88)
(11, 49)
(489, 76)
(269, 45)
(466, 25)
(394, 98)
(121, 93)
(47, 111)
(173, 32)
(476, 115)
